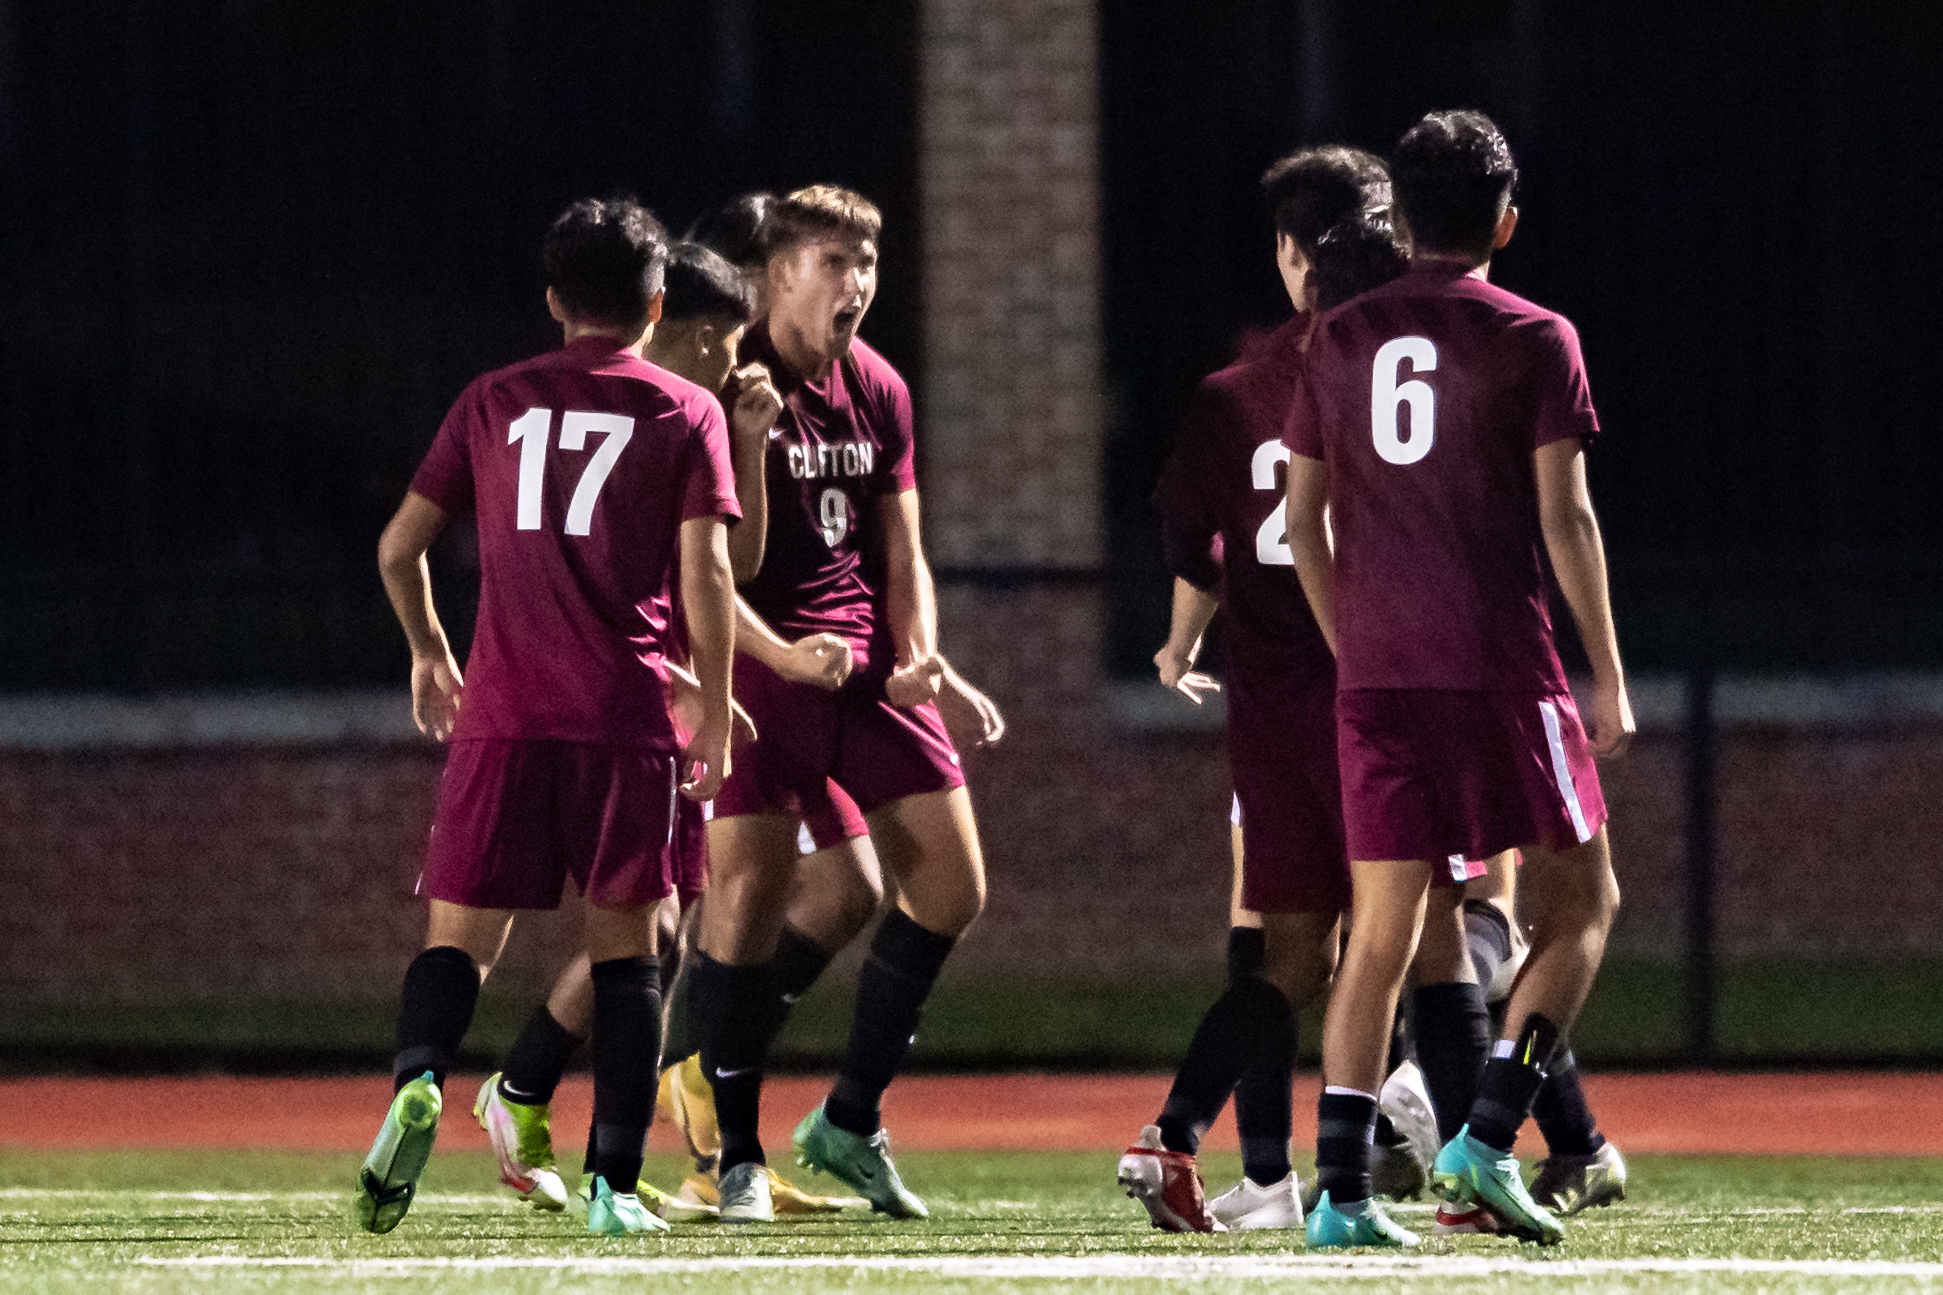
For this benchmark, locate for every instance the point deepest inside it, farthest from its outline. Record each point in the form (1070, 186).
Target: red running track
(1836, 1113)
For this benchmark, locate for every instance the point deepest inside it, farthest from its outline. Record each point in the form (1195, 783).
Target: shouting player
(1221, 505)
(586, 468)
(843, 557)
(1445, 428)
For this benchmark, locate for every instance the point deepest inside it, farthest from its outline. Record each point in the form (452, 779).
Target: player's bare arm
(708, 602)
(971, 718)
(820, 659)
(755, 407)
(1308, 528)
(1578, 556)
(911, 602)
(1193, 611)
(685, 703)
(436, 682)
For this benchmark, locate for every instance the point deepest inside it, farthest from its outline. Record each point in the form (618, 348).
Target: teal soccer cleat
(619, 1214)
(1469, 1172)
(1363, 1224)
(389, 1176)
(862, 1163)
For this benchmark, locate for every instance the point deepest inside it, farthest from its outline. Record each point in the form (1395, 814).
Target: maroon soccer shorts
(1429, 773)
(804, 735)
(515, 819)
(1282, 754)
(830, 820)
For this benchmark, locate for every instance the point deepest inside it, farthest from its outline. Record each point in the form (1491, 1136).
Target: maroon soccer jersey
(1222, 504)
(581, 466)
(1426, 399)
(838, 446)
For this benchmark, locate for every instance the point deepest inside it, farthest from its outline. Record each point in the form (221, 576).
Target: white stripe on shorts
(1562, 771)
(1235, 815)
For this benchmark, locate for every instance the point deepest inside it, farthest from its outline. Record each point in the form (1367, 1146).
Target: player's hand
(916, 683)
(436, 686)
(757, 402)
(971, 718)
(1611, 725)
(820, 659)
(1177, 674)
(705, 763)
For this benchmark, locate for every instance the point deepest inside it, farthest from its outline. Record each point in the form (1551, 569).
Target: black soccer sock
(1561, 1112)
(681, 1038)
(627, 1043)
(537, 1059)
(1453, 1042)
(739, 1001)
(1510, 1081)
(1250, 1020)
(904, 962)
(434, 1012)
(1264, 1105)
(1402, 1040)
(1247, 952)
(797, 964)
(1345, 1131)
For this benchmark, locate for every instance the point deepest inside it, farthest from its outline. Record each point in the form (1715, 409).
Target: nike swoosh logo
(732, 1074)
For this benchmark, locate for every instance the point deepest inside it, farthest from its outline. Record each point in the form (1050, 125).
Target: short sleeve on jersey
(445, 476)
(710, 490)
(898, 469)
(1562, 395)
(1188, 499)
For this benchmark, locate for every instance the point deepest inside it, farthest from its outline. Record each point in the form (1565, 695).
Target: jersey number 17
(529, 432)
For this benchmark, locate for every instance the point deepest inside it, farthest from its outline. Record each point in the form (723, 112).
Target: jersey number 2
(1272, 540)
(1387, 395)
(529, 432)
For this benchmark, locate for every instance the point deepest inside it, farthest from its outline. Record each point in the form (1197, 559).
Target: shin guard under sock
(1247, 952)
(537, 1059)
(798, 962)
(904, 962)
(1345, 1131)
(1453, 1042)
(1250, 1020)
(1561, 1112)
(627, 1044)
(434, 1012)
(1264, 1106)
(1511, 1080)
(734, 1047)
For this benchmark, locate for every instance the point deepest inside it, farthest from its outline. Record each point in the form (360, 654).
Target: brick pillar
(1012, 392)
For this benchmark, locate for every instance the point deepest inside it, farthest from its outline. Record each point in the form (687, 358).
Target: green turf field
(181, 1221)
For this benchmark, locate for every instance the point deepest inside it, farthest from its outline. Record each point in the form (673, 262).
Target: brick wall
(1012, 382)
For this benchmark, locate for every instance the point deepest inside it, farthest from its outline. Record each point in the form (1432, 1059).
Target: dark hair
(1454, 175)
(820, 211)
(702, 285)
(1316, 189)
(1361, 253)
(734, 230)
(604, 259)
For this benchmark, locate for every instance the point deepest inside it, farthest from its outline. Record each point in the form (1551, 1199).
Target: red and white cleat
(1168, 1183)
(1466, 1220)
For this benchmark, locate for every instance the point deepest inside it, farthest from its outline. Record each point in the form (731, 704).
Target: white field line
(1088, 1267)
(224, 1198)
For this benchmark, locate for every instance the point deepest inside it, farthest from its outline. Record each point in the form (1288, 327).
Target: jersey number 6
(1386, 394)
(529, 433)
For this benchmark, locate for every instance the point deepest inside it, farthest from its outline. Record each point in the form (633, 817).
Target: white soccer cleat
(745, 1195)
(1250, 1207)
(1406, 1102)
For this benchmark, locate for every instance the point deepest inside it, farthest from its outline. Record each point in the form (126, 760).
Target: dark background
(252, 252)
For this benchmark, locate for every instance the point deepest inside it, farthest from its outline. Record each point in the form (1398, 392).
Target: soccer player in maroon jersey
(587, 468)
(843, 557)
(1222, 516)
(1445, 427)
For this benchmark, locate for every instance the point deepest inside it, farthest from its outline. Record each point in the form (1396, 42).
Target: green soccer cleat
(1362, 1224)
(389, 1176)
(523, 1141)
(1469, 1172)
(619, 1214)
(862, 1163)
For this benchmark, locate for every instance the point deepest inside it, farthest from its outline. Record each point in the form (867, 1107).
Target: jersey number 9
(834, 516)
